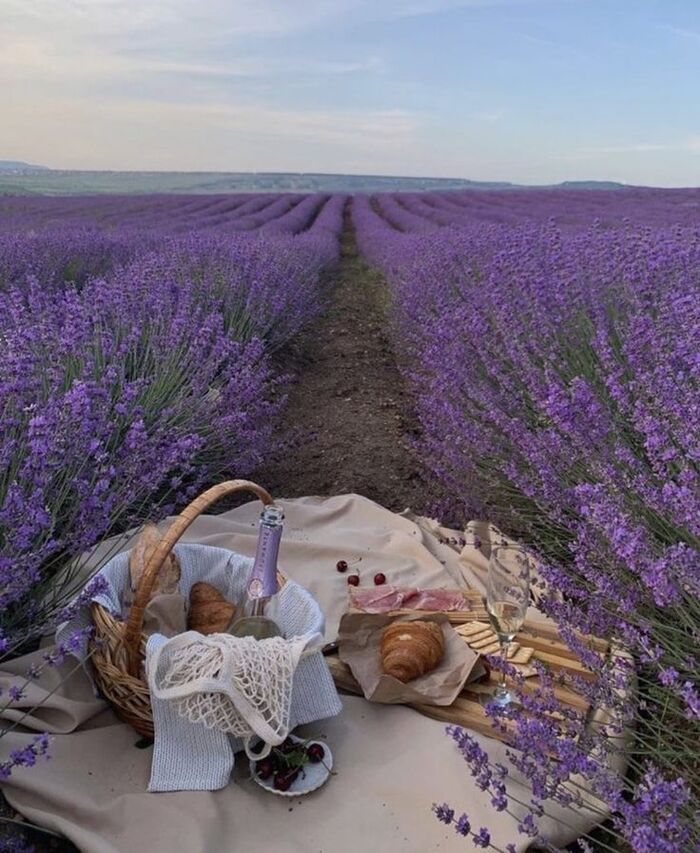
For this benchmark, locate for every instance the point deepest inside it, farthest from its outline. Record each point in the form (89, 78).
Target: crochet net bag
(238, 685)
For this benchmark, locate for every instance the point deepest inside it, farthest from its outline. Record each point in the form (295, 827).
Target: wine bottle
(262, 583)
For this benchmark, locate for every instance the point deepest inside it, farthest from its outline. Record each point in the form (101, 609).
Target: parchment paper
(359, 641)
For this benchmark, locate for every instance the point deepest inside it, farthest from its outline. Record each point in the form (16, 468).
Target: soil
(349, 407)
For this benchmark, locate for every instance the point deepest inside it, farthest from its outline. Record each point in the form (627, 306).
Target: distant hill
(21, 178)
(590, 185)
(20, 166)
(59, 182)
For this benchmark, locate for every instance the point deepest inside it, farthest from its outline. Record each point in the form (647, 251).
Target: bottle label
(263, 582)
(255, 588)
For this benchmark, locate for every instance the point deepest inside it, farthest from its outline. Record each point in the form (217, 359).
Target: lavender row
(557, 384)
(138, 366)
(165, 213)
(570, 209)
(101, 241)
(297, 218)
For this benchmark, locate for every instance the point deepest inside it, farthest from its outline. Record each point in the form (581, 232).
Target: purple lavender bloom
(482, 838)
(552, 340)
(444, 813)
(138, 344)
(462, 825)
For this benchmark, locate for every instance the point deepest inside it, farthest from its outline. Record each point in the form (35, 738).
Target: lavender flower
(137, 366)
(551, 340)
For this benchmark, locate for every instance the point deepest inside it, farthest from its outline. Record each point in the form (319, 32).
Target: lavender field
(550, 344)
(139, 340)
(552, 341)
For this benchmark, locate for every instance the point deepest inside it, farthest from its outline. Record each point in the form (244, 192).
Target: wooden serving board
(468, 708)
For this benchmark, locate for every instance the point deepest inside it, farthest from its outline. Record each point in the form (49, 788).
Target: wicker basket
(118, 648)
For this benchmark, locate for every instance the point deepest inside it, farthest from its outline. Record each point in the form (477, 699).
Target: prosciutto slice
(385, 598)
(438, 599)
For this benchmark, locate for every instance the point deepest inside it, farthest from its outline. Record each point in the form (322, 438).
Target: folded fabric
(189, 756)
(165, 614)
(186, 756)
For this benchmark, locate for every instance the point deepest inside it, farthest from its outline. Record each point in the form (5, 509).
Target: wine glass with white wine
(507, 598)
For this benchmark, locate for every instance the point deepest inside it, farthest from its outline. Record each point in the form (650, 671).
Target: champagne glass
(507, 598)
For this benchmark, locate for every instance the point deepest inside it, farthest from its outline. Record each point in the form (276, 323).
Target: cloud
(556, 51)
(488, 116)
(167, 19)
(688, 145)
(693, 35)
(636, 148)
(23, 59)
(81, 46)
(95, 75)
(225, 136)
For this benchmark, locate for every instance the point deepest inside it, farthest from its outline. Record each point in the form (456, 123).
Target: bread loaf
(168, 577)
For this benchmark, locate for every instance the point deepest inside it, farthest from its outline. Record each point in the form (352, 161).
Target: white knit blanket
(190, 756)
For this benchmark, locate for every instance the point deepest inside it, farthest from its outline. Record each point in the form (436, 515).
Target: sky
(530, 91)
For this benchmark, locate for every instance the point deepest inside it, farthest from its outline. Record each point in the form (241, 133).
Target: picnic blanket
(391, 762)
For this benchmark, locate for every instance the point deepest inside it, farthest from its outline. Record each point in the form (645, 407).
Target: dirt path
(349, 403)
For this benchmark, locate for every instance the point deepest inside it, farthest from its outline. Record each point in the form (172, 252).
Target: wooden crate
(468, 708)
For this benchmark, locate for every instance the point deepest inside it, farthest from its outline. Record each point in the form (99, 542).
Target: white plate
(316, 774)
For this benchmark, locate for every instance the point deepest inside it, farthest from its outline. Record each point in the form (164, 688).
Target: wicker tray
(468, 708)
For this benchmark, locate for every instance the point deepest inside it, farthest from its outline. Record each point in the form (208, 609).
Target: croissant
(210, 612)
(411, 649)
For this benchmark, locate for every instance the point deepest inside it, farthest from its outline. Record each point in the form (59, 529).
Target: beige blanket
(391, 762)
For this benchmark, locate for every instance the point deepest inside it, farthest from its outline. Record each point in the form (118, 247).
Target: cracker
(522, 656)
(474, 638)
(487, 641)
(477, 638)
(472, 629)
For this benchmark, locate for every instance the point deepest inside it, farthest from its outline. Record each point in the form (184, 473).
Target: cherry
(264, 768)
(342, 566)
(283, 781)
(354, 580)
(315, 752)
(379, 578)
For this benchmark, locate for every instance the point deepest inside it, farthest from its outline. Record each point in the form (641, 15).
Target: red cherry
(264, 768)
(315, 752)
(342, 566)
(354, 580)
(283, 781)
(379, 578)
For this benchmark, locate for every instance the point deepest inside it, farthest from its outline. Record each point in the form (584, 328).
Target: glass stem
(504, 660)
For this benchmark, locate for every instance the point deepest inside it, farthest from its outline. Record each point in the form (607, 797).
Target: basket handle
(134, 623)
